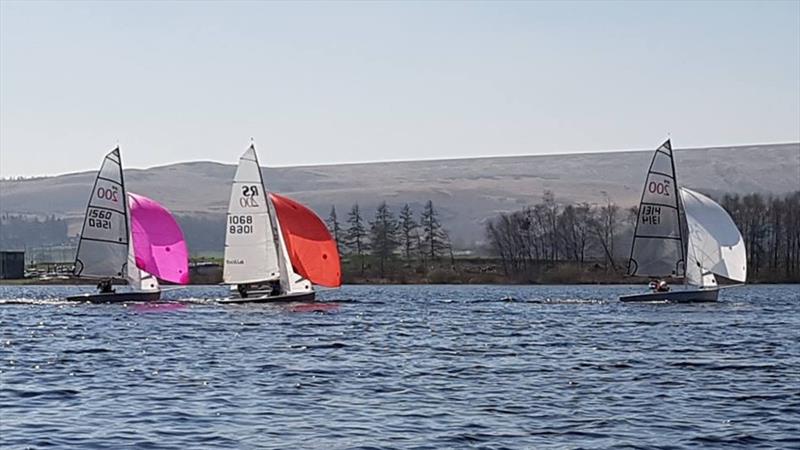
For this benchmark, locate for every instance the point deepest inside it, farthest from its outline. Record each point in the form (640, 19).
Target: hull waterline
(297, 297)
(680, 296)
(117, 297)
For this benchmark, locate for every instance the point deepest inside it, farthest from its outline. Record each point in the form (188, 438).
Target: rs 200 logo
(248, 198)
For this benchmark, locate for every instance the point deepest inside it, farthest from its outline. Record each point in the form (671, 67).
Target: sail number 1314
(240, 224)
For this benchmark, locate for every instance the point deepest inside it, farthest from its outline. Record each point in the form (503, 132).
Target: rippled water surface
(402, 367)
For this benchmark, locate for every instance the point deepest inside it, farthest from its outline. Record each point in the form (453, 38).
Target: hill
(465, 191)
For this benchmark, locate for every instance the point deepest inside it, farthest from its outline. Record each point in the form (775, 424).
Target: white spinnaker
(250, 252)
(103, 245)
(658, 249)
(715, 243)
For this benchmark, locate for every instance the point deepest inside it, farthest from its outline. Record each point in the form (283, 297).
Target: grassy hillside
(465, 191)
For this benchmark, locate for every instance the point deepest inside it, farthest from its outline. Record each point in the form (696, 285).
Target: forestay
(103, 245)
(658, 249)
(251, 254)
(715, 244)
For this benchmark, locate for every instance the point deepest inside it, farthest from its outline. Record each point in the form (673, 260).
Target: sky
(336, 82)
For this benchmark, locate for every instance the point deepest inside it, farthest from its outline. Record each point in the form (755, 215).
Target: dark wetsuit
(105, 287)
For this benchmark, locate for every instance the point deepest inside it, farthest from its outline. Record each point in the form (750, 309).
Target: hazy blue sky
(323, 82)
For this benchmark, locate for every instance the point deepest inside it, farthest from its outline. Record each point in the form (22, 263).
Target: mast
(270, 209)
(684, 245)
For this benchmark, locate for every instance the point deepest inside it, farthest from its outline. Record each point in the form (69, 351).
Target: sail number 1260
(240, 224)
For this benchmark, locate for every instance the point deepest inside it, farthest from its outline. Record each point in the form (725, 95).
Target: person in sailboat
(104, 286)
(659, 286)
(275, 286)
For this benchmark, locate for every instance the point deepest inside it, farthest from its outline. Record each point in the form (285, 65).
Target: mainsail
(251, 254)
(658, 248)
(103, 245)
(158, 242)
(715, 245)
(311, 248)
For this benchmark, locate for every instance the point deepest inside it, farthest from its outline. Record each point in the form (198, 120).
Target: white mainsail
(658, 248)
(715, 244)
(103, 245)
(251, 254)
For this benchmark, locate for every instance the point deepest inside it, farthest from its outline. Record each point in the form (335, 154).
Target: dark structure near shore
(12, 265)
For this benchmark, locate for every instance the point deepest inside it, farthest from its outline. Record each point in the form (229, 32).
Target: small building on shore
(12, 265)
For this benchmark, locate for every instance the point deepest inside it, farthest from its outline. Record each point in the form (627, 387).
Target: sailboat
(681, 233)
(126, 236)
(276, 249)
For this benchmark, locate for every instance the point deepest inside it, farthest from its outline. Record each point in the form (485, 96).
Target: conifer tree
(356, 235)
(335, 229)
(408, 235)
(433, 236)
(383, 235)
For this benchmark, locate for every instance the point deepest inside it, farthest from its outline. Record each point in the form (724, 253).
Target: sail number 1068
(240, 224)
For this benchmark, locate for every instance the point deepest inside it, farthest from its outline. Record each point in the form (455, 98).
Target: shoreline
(386, 282)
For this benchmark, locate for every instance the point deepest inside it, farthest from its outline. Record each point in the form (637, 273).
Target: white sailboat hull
(291, 297)
(679, 296)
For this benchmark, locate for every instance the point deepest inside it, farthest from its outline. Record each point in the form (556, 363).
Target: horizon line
(394, 161)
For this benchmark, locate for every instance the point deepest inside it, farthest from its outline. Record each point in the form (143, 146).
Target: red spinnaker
(311, 247)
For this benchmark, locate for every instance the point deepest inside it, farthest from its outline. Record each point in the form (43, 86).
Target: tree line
(18, 232)
(549, 232)
(386, 237)
(770, 227)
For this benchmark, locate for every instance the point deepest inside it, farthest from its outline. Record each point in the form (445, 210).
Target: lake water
(430, 367)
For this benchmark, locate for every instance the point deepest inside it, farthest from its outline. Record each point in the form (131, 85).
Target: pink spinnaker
(158, 243)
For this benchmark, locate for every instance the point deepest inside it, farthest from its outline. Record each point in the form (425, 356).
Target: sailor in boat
(104, 286)
(659, 286)
(275, 285)
(272, 288)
